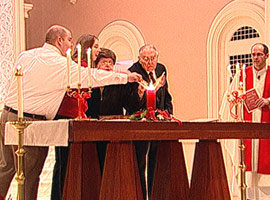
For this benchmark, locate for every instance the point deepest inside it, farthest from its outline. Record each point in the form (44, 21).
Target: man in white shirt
(44, 82)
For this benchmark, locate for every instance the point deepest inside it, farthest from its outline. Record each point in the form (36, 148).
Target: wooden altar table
(121, 177)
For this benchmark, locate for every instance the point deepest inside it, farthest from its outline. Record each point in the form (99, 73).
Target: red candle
(150, 99)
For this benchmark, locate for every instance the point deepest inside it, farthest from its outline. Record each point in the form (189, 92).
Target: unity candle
(19, 74)
(89, 65)
(79, 50)
(68, 66)
(151, 97)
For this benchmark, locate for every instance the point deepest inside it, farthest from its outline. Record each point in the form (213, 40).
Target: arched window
(244, 33)
(232, 33)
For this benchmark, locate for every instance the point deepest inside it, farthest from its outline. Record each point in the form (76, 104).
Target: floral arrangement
(153, 115)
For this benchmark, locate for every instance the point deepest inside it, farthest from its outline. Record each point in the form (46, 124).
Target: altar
(120, 178)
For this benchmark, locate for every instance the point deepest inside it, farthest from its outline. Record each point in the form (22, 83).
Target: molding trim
(73, 1)
(27, 8)
(124, 38)
(234, 15)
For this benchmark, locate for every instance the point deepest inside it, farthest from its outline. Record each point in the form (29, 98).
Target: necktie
(152, 77)
(101, 93)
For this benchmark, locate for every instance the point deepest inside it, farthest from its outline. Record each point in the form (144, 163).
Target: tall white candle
(228, 77)
(68, 66)
(19, 75)
(237, 74)
(237, 68)
(79, 49)
(244, 78)
(89, 65)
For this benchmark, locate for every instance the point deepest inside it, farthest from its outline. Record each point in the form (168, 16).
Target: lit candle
(151, 97)
(79, 50)
(68, 66)
(244, 78)
(19, 75)
(89, 65)
(237, 69)
(229, 72)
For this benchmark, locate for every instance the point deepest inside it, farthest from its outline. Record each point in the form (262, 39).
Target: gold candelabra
(20, 125)
(242, 166)
(81, 95)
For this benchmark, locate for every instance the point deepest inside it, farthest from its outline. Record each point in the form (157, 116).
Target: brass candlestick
(242, 166)
(236, 102)
(20, 125)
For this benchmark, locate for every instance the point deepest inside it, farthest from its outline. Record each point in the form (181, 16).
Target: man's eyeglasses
(149, 59)
(103, 63)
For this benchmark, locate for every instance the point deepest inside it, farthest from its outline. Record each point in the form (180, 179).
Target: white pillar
(7, 53)
(12, 40)
(19, 26)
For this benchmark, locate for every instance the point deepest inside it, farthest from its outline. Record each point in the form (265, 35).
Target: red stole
(264, 144)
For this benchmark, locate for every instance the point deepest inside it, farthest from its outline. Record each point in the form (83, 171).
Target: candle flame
(18, 70)
(79, 47)
(151, 86)
(19, 67)
(68, 51)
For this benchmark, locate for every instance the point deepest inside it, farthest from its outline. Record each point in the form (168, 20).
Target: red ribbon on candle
(150, 99)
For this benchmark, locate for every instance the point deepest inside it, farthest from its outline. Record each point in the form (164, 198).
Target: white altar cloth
(40, 133)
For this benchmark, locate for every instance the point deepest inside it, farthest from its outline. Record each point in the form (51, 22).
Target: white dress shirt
(45, 80)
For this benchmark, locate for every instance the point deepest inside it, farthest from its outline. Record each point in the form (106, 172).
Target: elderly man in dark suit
(150, 70)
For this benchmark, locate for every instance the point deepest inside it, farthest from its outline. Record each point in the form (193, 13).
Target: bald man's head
(55, 31)
(59, 37)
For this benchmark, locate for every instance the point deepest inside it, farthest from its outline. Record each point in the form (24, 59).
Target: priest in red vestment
(257, 152)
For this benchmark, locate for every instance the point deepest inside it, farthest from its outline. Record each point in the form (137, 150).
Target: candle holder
(235, 102)
(81, 95)
(20, 125)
